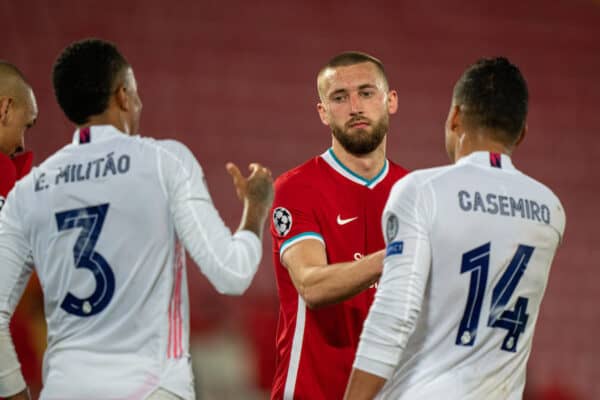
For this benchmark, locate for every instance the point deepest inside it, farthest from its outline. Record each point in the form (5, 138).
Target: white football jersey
(469, 249)
(105, 221)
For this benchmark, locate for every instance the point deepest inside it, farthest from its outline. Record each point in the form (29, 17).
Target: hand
(256, 192)
(257, 188)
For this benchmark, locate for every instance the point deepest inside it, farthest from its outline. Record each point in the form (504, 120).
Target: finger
(234, 171)
(254, 167)
(257, 168)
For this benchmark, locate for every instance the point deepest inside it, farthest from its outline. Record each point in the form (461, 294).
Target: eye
(338, 98)
(367, 93)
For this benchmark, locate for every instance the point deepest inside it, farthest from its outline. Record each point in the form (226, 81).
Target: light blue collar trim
(334, 162)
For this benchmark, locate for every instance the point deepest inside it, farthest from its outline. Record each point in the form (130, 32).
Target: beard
(361, 141)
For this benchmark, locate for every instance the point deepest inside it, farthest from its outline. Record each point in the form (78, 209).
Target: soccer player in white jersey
(469, 249)
(105, 221)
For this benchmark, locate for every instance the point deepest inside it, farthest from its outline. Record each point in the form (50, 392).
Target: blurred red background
(235, 81)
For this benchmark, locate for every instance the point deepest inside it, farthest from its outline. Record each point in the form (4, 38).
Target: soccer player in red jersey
(326, 228)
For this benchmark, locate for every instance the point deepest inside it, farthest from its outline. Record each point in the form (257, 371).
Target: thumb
(234, 171)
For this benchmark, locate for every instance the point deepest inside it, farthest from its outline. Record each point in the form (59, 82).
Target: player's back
(493, 233)
(104, 247)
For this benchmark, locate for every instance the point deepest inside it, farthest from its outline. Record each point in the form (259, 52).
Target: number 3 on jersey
(477, 262)
(90, 221)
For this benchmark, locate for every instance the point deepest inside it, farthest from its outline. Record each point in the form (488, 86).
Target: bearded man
(326, 227)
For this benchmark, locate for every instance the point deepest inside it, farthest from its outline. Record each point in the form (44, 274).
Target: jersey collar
(488, 159)
(95, 133)
(334, 162)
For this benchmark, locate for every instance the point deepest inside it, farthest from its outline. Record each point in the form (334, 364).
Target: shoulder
(422, 177)
(170, 149)
(417, 184)
(397, 170)
(300, 176)
(170, 146)
(540, 191)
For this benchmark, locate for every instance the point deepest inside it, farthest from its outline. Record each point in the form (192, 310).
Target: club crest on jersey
(282, 221)
(391, 227)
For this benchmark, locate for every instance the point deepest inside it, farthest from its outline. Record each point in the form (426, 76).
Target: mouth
(360, 124)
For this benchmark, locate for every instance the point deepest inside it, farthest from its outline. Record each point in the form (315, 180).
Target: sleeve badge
(282, 221)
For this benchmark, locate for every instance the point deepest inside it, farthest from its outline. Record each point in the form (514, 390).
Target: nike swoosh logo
(341, 221)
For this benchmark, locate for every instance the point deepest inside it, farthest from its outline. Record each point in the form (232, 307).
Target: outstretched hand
(257, 188)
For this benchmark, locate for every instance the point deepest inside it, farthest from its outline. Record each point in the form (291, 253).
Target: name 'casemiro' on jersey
(508, 206)
(469, 248)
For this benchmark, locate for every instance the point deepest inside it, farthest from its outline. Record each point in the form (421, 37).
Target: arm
(363, 385)
(228, 261)
(320, 284)
(393, 316)
(24, 395)
(14, 274)
(12, 384)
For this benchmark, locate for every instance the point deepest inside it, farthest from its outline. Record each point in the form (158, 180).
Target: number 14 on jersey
(477, 263)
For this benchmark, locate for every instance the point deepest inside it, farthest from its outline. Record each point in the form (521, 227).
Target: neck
(108, 118)
(479, 141)
(366, 165)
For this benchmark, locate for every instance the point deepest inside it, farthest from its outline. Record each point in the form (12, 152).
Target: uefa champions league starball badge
(282, 221)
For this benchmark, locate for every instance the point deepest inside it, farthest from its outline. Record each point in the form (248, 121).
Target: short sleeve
(293, 216)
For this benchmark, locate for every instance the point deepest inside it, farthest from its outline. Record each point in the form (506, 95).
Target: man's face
(355, 104)
(16, 116)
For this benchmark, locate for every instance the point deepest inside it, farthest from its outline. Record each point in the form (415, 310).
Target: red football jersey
(323, 200)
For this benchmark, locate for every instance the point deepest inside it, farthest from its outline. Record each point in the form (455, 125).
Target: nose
(355, 104)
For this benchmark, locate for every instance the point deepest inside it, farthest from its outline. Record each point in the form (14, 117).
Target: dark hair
(493, 94)
(352, 58)
(84, 77)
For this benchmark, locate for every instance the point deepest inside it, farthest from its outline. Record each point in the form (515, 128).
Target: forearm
(228, 261)
(11, 379)
(329, 284)
(253, 218)
(363, 385)
(24, 395)
(394, 313)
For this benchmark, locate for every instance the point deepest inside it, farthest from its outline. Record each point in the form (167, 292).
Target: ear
(5, 103)
(521, 136)
(454, 120)
(322, 110)
(122, 98)
(392, 102)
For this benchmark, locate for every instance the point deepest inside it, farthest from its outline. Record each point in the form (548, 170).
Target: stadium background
(235, 80)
